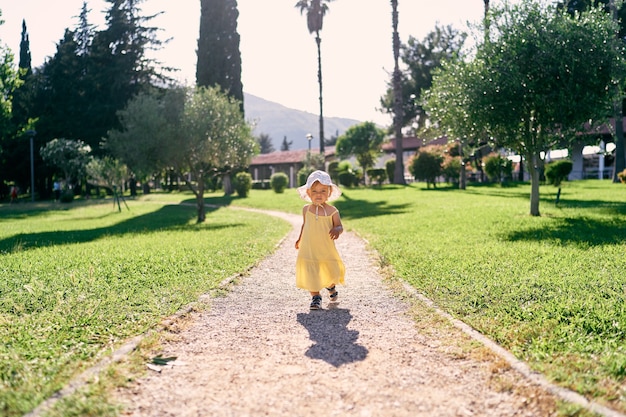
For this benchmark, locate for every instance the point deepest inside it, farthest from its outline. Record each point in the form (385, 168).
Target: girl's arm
(304, 209)
(337, 226)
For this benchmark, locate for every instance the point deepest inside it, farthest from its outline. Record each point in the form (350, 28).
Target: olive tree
(198, 133)
(363, 141)
(70, 156)
(150, 122)
(538, 78)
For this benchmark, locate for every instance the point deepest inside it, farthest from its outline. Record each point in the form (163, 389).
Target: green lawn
(79, 279)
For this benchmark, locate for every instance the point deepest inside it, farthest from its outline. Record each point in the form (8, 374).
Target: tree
(203, 134)
(219, 58)
(286, 145)
(150, 122)
(556, 173)
(70, 156)
(9, 82)
(61, 95)
(426, 165)
(447, 105)
(23, 95)
(84, 31)
(363, 141)
(215, 137)
(398, 110)
(116, 67)
(110, 173)
(25, 58)
(619, 15)
(10, 142)
(315, 12)
(530, 86)
(265, 143)
(420, 59)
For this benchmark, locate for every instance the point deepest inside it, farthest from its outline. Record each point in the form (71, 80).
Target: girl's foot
(333, 294)
(316, 302)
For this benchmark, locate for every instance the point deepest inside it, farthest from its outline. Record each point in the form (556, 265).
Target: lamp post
(309, 137)
(31, 134)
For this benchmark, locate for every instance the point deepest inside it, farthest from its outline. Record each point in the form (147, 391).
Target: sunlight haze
(279, 56)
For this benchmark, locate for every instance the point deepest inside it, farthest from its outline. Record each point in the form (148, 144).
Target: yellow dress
(318, 264)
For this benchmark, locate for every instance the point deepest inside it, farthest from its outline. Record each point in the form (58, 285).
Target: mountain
(278, 121)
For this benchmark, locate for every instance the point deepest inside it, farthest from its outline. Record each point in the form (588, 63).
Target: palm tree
(486, 17)
(398, 111)
(315, 11)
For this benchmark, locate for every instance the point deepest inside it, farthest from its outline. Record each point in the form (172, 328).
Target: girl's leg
(316, 300)
(332, 293)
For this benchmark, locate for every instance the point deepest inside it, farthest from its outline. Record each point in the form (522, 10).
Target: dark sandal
(316, 302)
(333, 294)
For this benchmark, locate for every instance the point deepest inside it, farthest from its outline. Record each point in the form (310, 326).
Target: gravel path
(259, 351)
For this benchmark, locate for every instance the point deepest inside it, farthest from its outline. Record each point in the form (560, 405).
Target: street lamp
(309, 137)
(31, 134)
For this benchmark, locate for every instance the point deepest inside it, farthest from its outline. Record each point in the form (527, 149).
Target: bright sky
(279, 56)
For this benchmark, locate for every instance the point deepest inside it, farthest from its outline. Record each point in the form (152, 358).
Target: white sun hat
(323, 179)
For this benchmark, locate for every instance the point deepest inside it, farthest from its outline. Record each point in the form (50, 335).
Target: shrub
(279, 182)
(378, 175)
(303, 174)
(347, 175)
(498, 169)
(261, 185)
(451, 169)
(333, 171)
(557, 172)
(390, 167)
(347, 178)
(67, 196)
(426, 165)
(243, 184)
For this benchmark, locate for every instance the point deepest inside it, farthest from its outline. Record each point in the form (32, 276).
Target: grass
(80, 279)
(551, 289)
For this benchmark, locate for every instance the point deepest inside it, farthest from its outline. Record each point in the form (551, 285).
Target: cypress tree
(23, 95)
(219, 58)
(25, 59)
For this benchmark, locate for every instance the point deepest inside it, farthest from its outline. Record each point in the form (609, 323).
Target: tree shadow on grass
(576, 231)
(334, 343)
(610, 208)
(358, 209)
(501, 192)
(172, 217)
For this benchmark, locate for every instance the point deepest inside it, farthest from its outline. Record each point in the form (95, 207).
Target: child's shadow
(334, 343)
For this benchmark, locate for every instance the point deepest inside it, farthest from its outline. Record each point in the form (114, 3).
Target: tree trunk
(620, 157)
(534, 171)
(463, 173)
(200, 200)
(398, 113)
(201, 209)
(228, 187)
(318, 40)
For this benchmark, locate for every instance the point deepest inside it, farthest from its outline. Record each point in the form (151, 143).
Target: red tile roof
(288, 157)
(412, 143)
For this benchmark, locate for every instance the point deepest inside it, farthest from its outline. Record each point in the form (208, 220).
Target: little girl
(319, 264)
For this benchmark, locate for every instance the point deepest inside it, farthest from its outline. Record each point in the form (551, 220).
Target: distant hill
(279, 121)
